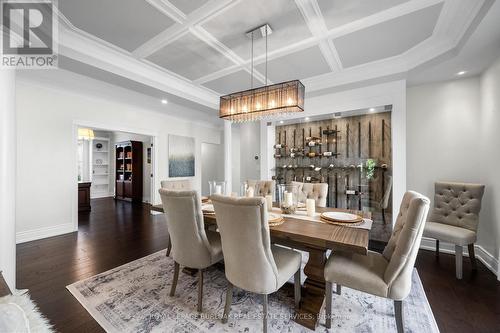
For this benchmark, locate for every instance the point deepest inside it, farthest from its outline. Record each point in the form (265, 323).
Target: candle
(310, 207)
(288, 199)
(250, 192)
(218, 189)
(269, 202)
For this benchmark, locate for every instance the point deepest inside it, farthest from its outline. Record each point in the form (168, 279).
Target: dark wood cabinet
(84, 196)
(129, 171)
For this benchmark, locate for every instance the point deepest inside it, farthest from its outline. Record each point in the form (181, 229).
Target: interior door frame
(111, 127)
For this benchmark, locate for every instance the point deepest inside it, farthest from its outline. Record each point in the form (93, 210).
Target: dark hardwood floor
(116, 232)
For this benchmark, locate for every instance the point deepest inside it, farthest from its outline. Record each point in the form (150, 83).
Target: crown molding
(75, 45)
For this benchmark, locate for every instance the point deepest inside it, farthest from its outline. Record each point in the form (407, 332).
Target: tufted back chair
(177, 185)
(246, 243)
(457, 204)
(190, 245)
(263, 187)
(402, 248)
(316, 191)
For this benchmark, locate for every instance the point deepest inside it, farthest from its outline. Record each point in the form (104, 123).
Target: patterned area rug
(135, 298)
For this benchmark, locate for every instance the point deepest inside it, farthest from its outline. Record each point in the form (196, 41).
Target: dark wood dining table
(316, 238)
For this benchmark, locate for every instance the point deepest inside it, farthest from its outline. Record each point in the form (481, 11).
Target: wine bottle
(296, 150)
(311, 154)
(294, 155)
(279, 146)
(327, 153)
(331, 166)
(317, 169)
(277, 156)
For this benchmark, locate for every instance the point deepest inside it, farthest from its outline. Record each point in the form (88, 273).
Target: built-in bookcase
(128, 175)
(100, 158)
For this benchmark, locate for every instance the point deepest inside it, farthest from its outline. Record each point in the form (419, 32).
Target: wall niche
(352, 154)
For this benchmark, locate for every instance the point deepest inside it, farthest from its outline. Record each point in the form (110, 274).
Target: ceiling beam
(314, 19)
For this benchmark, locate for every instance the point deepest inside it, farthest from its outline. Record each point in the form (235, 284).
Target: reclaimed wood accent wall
(351, 142)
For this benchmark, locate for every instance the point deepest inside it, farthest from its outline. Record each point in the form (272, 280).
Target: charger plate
(341, 217)
(275, 219)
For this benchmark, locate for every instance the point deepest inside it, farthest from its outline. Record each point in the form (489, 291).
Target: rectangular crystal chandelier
(264, 102)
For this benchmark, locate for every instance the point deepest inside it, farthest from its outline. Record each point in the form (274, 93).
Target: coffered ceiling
(198, 50)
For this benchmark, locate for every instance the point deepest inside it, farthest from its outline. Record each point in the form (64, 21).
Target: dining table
(317, 239)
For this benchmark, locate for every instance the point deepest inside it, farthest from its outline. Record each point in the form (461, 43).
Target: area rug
(135, 298)
(18, 313)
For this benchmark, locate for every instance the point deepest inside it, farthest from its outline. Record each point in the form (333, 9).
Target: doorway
(113, 164)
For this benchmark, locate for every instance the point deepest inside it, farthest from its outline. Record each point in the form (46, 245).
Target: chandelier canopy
(264, 102)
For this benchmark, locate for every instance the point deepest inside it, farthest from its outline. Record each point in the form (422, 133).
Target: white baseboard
(103, 195)
(39, 233)
(484, 256)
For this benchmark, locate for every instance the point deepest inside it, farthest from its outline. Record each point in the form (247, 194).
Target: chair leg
(328, 305)
(458, 261)
(200, 290)
(437, 247)
(297, 287)
(339, 289)
(472, 257)
(264, 314)
(383, 216)
(398, 309)
(176, 277)
(169, 246)
(229, 300)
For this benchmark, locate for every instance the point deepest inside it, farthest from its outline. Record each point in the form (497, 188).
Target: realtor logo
(28, 34)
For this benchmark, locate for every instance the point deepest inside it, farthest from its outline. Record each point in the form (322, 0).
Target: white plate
(273, 216)
(340, 216)
(208, 208)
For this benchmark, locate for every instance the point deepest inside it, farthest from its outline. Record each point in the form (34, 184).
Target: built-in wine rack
(335, 151)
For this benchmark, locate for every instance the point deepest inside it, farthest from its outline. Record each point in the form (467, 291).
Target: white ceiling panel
(190, 57)
(188, 6)
(340, 12)
(299, 65)
(125, 23)
(285, 19)
(387, 39)
(231, 83)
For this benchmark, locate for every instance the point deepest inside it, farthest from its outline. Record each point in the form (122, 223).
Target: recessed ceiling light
(281, 121)
(306, 118)
(372, 109)
(164, 101)
(461, 73)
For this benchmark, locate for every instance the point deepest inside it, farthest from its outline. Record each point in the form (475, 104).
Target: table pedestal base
(313, 291)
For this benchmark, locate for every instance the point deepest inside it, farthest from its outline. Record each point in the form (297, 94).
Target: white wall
(8, 151)
(211, 157)
(489, 231)
(452, 136)
(442, 134)
(48, 111)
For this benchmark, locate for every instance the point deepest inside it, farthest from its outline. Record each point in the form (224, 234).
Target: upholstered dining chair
(192, 246)
(175, 185)
(252, 263)
(386, 274)
(455, 218)
(316, 191)
(264, 187)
